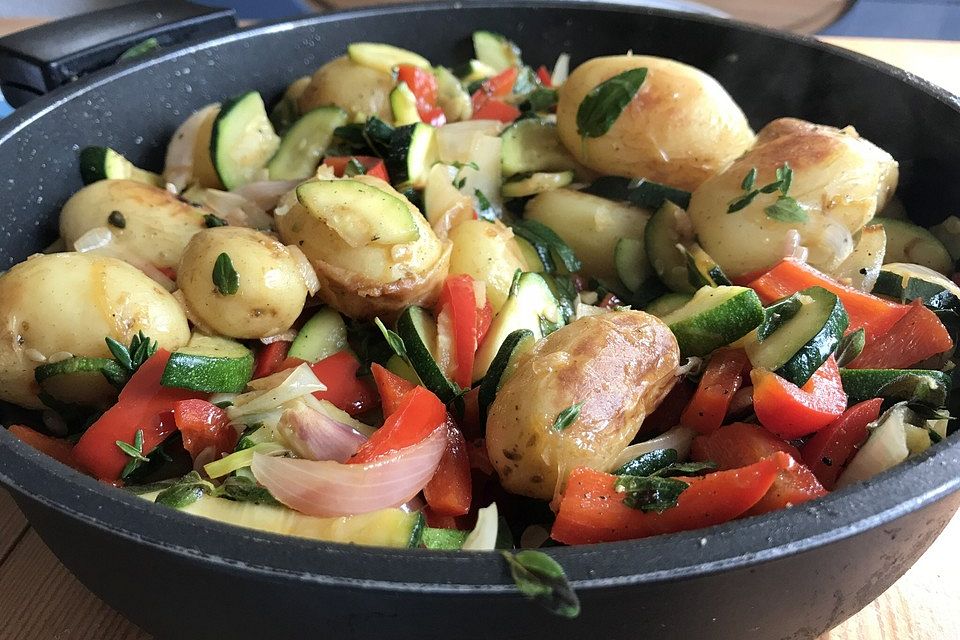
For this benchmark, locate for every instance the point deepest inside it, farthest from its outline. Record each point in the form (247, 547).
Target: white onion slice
(307, 272)
(313, 435)
(286, 336)
(236, 210)
(178, 165)
(266, 194)
(678, 439)
(484, 534)
(328, 489)
(101, 241)
(298, 382)
(561, 69)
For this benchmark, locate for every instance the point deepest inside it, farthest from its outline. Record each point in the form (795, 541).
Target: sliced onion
(885, 448)
(286, 336)
(313, 435)
(236, 210)
(266, 194)
(298, 382)
(484, 534)
(830, 247)
(446, 345)
(100, 241)
(693, 365)
(306, 269)
(178, 165)
(328, 489)
(862, 267)
(678, 439)
(561, 69)
(792, 247)
(341, 416)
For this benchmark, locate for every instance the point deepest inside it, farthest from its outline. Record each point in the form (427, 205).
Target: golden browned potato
(147, 221)
(620, 365)
(486, 251)
(65, 304)
(372, 279)
(355, 88)
(680, 128)
(272, 290)
(839, 179)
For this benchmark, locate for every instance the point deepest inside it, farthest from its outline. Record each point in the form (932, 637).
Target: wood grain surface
(41, 600)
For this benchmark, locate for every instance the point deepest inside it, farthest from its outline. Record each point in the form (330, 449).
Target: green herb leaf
(353, 168)
(785, 178)
(742, 202)
(120, 353)
(915, 389)
(140, 49)
(786, 209)
(225, 277)
(539, 234)
(242, 489)
(749, 180)
(395, 341)
(685, 469)
(540, 577)
(604, 103)
(850, 346)
(185, 492)
(485, 210)
(650, 493)
(213, 221)
(567, 417)
(540, 99)
(648, 463)
(134, 450)
(117, 220)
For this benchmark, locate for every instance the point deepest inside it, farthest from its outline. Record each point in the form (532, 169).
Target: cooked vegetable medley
(492, 306)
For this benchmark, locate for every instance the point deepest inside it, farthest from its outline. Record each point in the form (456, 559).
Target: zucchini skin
(865, 384)
(513, 345)
(801, 366)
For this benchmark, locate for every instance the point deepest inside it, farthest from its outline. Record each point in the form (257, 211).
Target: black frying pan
(791, 574)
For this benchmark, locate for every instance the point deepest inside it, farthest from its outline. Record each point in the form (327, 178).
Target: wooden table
(40, 599)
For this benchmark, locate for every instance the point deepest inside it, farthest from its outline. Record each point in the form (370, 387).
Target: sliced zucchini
(864, 384)
(909, 282)
(667, 228)
(304, 143)
(404, 105)
(398, 366)
(536, 183)
(714, 317)
(504, 364)
(633, 267)
(531, 305)
(384, 57)
(211, 364)
(451, 96)
(81, 380)
(418, 330)
(473, 71)
(798, 347)
(242, 141)
(702, 270)
(322, 336)
(496, 51)
(861, 267)
(359, 213)
(532, 144)
(413, 151)
(667, 304)
(103, 163)
(383, 528)
(907, 242)
(638, 191)
(286, 111)
(563, 290)
(537, 257)
(778, 313)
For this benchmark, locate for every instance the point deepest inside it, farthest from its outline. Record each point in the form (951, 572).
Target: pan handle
(40, 59)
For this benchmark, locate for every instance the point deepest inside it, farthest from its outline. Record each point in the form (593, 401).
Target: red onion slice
(329, 489)
(313, 435)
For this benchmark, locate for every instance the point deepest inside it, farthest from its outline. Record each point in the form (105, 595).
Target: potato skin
(271, 294)
(838, 177)
(620, 365)
(372, 280)
(70, 302)
(158, 224)
(680, 128)
(358, 90)
(486, 251)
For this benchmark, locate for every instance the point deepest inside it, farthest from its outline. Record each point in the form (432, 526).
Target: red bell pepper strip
(791, 411)
(874, 314)
(372, 166)
(484, 319)
(58, 449)
(450, 490)
(419, 414)
(486, 106)
(721, 379)
(391, 388)
(204, 425)
(831, 448)
(269, 357)
(916, 337)
(591, 510)
(740, 444)
(423, 85)
(458, 298)
(139, 408)
(344, 389)
(493, 109)
(544, 76)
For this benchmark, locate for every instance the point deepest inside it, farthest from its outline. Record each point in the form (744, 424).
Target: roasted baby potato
(839, 179)
(146, 221)
(617, 366)
(680, 128)
(359, 90)
(67, 303)
(486, 251)
(271, 292)
(372, 279)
